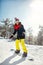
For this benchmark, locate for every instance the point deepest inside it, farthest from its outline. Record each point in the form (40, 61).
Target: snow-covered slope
(8, 57)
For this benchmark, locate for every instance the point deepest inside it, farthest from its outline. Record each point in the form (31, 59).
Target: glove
(23, 33)
(11, 36)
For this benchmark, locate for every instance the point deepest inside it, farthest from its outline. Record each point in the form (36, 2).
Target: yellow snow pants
(22, 43)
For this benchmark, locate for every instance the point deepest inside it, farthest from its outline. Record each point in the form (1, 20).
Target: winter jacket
(19, 29)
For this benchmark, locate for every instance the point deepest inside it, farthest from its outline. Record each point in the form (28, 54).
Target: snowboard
(21, 55)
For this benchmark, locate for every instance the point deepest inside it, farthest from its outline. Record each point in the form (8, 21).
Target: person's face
(17, 22)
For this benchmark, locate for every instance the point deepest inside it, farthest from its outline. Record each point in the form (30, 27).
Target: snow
(1, 24)
(8, 57)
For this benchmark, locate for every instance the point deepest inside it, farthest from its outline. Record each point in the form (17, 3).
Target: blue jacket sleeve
(23, 28)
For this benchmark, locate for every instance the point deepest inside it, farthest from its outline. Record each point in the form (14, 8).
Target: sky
(30, 12)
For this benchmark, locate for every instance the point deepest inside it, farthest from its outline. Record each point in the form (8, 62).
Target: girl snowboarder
(18, 27)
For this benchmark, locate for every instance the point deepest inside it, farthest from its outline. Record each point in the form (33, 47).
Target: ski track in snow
(8, 57)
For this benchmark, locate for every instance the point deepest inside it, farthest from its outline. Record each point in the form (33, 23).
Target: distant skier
(18, 27)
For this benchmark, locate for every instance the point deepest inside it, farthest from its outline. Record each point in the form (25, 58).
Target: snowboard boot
(17, 51)
(24, 54)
